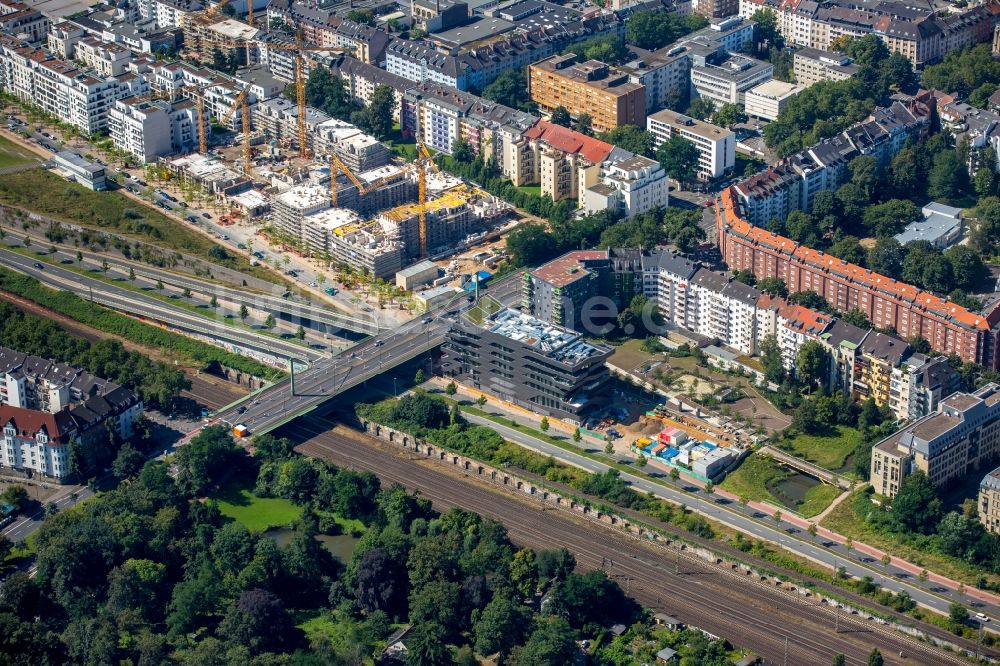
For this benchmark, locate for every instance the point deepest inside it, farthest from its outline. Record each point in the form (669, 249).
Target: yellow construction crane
(242, 102)
(337, 165)
(424, 156)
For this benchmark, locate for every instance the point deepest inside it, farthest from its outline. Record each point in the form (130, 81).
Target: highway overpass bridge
(330, 377)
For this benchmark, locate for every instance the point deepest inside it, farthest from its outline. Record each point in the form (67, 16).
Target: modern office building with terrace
(540, 366)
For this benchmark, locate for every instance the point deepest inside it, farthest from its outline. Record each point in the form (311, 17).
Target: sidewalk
(529, 418)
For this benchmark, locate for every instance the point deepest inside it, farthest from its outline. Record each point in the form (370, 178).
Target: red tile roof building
(949, 327)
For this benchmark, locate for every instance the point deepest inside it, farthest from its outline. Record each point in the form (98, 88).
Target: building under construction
(451, 219)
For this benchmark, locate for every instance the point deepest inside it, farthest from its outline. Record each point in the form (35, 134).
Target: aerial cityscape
(499, 332)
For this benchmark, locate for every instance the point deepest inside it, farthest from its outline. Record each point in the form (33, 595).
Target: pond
(340, 546)
(791, 489)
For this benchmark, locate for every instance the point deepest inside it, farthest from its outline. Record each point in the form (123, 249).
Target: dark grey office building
(537, 365)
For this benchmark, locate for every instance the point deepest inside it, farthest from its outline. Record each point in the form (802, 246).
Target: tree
(214, 302)
(947, 177)
(258, 621)
(701, 108)
(839, 660)
(426, 646)
(531, 243)
(380, 111)
(875, 658)
(244, 312)
(770, 356)
(810, 361)
(461, 151)
(380, 583)
(916, 507)
(131, 274)
(679, 158)
(729, 115)
(509, 89)
(583, 123)
(451, 388)
(641, 460)
(128, 462)
(363, 16)
(551, 642)
(576, 435)
(419, 377)
(630, 138)
(206, 458)
(957, 613)
(773, 285)
(269, 321)
(503, 624)
(524, 573)
(886, 257)
(300, 333)
(849, 249)
(481, 400)
(560, 116)
(967, 268)
(544, 424)
(609, 447)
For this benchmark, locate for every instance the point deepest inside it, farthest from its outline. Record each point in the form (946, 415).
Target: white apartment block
(634, 185)
(150, 129)
(293, 206)
(716, 145)
(726, 81)
(36, 441)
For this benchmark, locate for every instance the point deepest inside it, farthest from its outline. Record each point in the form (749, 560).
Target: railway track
(747, 612)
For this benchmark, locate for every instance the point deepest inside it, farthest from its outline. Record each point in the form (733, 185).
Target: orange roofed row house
(949, 327)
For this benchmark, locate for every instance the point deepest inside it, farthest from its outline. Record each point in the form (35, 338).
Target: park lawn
(533, 190)
(257, 514)
(347, 525)
(13, 155)
(845, 520)
(829, 450)
(817, 499)
(47, 194)
(750, 479)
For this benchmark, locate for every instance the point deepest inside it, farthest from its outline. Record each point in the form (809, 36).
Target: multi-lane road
(749, 614)
(330, 377)
(153, 309)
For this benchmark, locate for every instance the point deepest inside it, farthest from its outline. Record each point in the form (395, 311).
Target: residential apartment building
(716, 145)
(811, 66)
(540, 366)
(793, 183)
(666, 72)
(477, 67)
(439, 116)
(591, 87)
(361, 79)
(366, 247)
(948, 327)
(988, 504)
(633, 186)
(357, 150)
(919, 33)
(278, 119)
(958, 439)
(27, 24)
(37, 442)
(558, 292)
(562, 161)
(232, 38)
(81, 98)
(291, 207)
(150, 129)
(796, 326)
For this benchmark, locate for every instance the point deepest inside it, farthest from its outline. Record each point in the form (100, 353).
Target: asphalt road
(751, 522)
(330, 377)
(147, 307)
(276, 305)
(749, 614)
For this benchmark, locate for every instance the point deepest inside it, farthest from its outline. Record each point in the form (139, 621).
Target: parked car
(206, 216)
(313, 285)
(331, 291)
